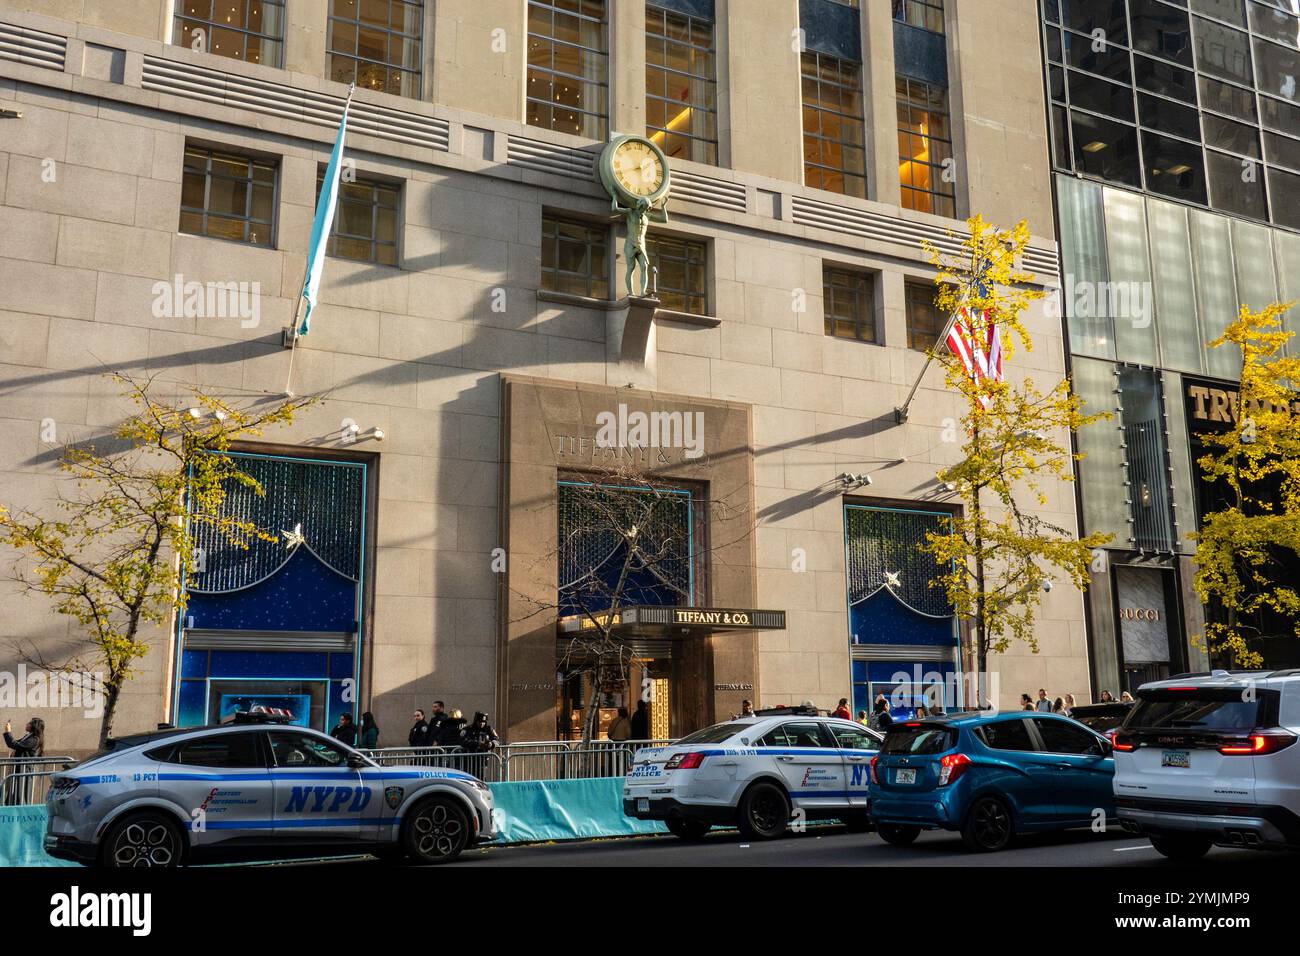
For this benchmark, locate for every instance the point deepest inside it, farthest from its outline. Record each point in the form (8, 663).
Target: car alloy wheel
(437, 831)
(764, 812)
(144, 841)
(988, 825)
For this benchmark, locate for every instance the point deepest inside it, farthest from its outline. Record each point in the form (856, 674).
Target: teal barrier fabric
(526, 812)
(22, 837)
(533, 810)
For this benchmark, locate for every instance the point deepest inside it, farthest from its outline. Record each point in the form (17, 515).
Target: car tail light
(1123, 742)
(951, 767)
(1259, 744)
(684, 761)
(875, 774)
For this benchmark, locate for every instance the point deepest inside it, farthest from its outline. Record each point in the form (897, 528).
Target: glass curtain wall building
(1175, 131)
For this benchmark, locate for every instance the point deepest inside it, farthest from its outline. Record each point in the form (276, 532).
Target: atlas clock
(634, 170)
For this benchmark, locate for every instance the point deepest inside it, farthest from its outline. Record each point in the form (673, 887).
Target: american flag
(977, 342)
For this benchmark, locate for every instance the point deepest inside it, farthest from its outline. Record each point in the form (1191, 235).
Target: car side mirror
(356, 761)
(1105, 747)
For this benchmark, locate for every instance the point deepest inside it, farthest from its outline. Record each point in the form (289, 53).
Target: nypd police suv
(257, 789)
(756, 773)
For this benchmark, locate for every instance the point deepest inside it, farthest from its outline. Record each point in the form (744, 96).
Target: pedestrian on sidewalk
(621, 728)
(31, 743)
(369, 732)
(345, 730)
(437, 717)
(881, 718)
(1044, 706)
(479, 735)
(641, 721)
(452, 729)
(1026, 702)
(418, 736)
(842, 711)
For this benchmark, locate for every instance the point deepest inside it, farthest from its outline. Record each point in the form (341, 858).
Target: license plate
(643, 804)
(904, 776)
(1176, 758)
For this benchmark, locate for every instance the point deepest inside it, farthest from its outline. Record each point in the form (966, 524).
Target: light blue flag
(326, 204)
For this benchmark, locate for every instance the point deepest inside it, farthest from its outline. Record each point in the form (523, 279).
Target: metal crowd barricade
(488, 766)
(27, 779)
(526, 760)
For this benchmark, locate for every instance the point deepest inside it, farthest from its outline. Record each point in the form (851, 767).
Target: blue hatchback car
(989, 776)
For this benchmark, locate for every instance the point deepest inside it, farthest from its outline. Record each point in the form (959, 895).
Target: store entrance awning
(645, 621)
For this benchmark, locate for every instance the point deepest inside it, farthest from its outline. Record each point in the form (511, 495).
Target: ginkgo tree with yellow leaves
(1247, 551)
(111, 551)
(1000, 553)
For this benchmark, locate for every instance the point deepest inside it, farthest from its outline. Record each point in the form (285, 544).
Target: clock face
(637, 168)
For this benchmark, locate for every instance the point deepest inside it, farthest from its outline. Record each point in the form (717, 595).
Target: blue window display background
(311, 584)
(207, 677)
(892, 603)
(592, 553)
(299, 705)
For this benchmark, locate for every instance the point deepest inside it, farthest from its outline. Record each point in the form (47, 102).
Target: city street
(833, 846)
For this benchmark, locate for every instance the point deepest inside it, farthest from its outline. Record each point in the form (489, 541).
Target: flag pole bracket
(288, 337)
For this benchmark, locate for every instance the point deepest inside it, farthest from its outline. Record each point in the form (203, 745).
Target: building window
(568, 67)
(681, 85)
(926, 14)
(365, 222)
(682, 275)
(249, 30)
(228, 197)
(925, 148)
(924, 320)
(377, 44)
(575, 258)
(850, 312)
(834, 158)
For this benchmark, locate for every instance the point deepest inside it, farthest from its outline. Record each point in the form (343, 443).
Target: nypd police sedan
(254, 790)
(756, 774)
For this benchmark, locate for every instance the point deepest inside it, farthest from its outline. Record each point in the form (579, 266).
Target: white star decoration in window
(892, 580)
(293, 538)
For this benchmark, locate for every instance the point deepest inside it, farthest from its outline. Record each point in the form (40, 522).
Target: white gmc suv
(1208, 759)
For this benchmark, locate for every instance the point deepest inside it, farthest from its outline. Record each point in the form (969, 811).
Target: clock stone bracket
(630, 341)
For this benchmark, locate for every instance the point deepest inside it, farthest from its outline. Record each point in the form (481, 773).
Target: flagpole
(294, 329)
(900, 413)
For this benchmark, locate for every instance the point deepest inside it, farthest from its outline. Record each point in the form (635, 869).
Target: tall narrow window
(228, 197)
(575, 257)
(365, 223)
(568, 67)
(926, 14)
(682, 273)
(377, 44)
(924, 321)
(249, 30)
(681, 85)
(925, 148)
(848, 304)
(834, 155)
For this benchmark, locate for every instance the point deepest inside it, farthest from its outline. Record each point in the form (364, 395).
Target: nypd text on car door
(318, 795)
